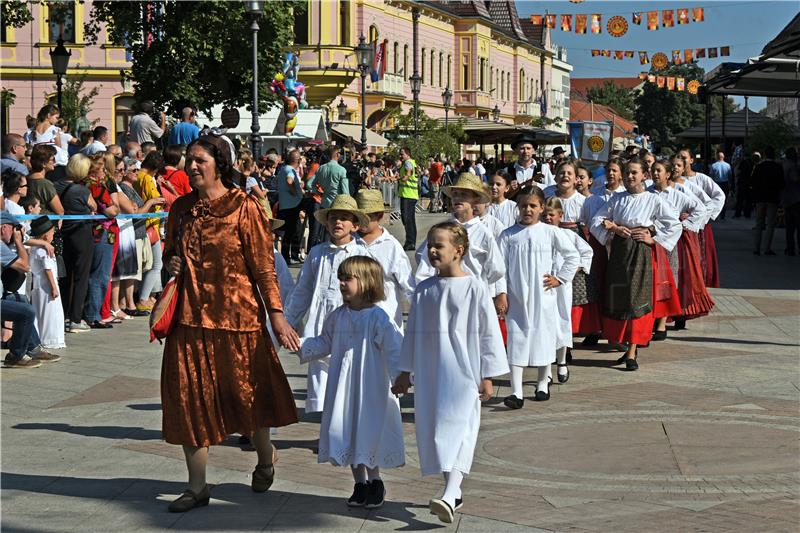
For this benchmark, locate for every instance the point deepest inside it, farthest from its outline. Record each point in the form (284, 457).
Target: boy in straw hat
(386, 250)
(483, 259)
(316, 293)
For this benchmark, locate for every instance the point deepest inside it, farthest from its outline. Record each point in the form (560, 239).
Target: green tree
(620, 99)
(198, 52)
(76, 101)
(15, 13)
(432, 138)
(773, 132)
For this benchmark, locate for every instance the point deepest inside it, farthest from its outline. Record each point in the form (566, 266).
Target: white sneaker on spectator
(78, 327)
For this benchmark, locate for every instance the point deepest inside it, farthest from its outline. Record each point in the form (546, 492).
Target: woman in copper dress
(221, 374)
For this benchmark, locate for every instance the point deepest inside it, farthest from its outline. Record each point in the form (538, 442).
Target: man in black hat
(526, 167)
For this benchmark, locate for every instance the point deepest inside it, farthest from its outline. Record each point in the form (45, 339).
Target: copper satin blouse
(228, 256)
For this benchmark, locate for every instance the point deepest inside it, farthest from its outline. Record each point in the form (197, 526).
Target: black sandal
(565, 377)
(189, 500)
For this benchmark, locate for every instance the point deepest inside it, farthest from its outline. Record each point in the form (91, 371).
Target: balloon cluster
(291, 91)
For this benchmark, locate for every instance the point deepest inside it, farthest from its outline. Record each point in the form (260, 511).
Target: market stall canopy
(349, 130)
(483, 131)
(738, 125)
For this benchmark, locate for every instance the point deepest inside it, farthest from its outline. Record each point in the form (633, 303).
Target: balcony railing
(391, 84)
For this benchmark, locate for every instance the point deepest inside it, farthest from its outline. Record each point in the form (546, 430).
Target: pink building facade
(26, 69)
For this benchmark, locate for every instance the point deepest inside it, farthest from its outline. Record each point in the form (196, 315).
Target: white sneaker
(78, 327)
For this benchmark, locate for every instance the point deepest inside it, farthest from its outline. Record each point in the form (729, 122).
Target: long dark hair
(221, 152)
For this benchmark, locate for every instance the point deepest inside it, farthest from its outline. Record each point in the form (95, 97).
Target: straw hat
(468, 182)
(275, 223)
(343, 202)
(371, 201)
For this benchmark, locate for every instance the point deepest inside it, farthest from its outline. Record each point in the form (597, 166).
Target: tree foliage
(775, 133)
(432, 138)
(197, 53)
(620, 99)
(76, 102)
(15, 13)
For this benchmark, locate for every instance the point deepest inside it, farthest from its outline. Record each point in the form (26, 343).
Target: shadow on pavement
(106, 432)
(731, 341)
(145, 406)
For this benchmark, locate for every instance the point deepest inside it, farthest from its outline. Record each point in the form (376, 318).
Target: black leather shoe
(631, 365)
(591, 340)
(659, 335)
(680, 323)
(512, 402)
(100, 325)
(359, 496)
(189, 500)
(409, 248)
(622, 359)
(459, 504)
(565, 377)
(542, 396)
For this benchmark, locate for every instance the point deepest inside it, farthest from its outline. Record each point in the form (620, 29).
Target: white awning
(345, 130)
(311, 125)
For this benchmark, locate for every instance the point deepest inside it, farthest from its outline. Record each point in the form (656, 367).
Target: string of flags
(617, 26)
(671, 83)
(660, 59)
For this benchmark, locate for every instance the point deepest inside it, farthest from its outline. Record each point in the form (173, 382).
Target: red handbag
(165, 311)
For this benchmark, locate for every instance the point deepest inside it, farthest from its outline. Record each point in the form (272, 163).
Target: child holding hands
(44, 295)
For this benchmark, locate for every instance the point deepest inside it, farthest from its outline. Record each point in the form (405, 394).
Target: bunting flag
(652, 20)
(681, 84)
(712, 53)
(595, 53)
(617, 26)
(566, 22)
(580, 23)
(692, 86)
(683, 16)
(676, 57)
(619, 54)
(671, 83)
(536, 20)
(651, 78)
(605, 53)
(643, 76)
(668, 18)
(660, 60)
(636, 18)
(660, 80)
(643, 59)
(725, 51)
(597, 23)
(700, 53)
(688, 55)
(628, 54)
(697, 14)
(550, 21)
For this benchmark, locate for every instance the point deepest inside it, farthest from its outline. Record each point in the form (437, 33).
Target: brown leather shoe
(263, 476)
(189, 500)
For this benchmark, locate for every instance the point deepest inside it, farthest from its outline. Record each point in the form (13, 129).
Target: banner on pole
(595, 141)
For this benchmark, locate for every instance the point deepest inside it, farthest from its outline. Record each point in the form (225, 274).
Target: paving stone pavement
(704, 437)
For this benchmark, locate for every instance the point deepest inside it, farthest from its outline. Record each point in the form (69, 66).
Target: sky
(745, 26)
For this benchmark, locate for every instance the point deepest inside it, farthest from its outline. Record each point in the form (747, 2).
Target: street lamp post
(447, 97)
(496, 113)
(416, 81)
(60, 60)
(364, 55)
(255, 10)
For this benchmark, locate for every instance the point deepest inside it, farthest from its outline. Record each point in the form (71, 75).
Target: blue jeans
(24, 338)
(99, 277)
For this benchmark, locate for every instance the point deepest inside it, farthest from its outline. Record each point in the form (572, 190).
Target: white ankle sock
(359, 473)
(516, 381)
(561, 358)
(452, 488)
(373, 473)
(544, 374)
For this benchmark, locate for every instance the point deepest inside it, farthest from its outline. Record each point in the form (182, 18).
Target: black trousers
(407, 215)
(78, 253)
(744, 205)
(725, 186)
(292, 233)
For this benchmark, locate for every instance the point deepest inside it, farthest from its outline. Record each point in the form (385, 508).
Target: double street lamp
(255, 8)
(447, 97)
(365, 56)
(60, 60)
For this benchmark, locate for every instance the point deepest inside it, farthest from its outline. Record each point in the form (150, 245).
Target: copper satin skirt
(217, 382)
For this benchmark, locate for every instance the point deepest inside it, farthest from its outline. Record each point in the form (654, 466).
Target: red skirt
(637, 331)
(695, 300)
(666, 301)
(586, 319)
(708, 258)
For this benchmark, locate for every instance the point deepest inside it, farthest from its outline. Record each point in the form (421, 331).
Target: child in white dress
(44, 295)
(316, 293)
(502, 209)
(361, 422)
(454, 347)
(530, 248)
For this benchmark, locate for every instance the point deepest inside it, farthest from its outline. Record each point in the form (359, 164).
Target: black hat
(529, 138)
(558, 150)
(40, 226)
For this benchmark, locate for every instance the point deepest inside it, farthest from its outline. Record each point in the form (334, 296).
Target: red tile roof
(581, 109)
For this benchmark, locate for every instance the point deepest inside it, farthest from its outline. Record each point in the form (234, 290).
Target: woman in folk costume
(633, 222)
(611, 182)
(316, 293)
(454, 347)
(386, 250)
(707, 245)
(530, 248)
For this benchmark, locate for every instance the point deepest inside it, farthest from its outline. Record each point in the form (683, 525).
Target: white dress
(714, 192)
(314, 296)
(532, 318)
(49, 312)
(691, 189)
(398, 278)
(570, 206)
(494, 226)
(639, 210)
(506, 212)
(564, 291)
(452, 342)
(361, 422)
(591, 206)
(684, 203)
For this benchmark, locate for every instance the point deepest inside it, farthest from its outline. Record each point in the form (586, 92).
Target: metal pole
(363, 108)
(723, 148)
(746, 121)
(707, 141)
(415, 44)
(254, 126)
(58, 88)
(446, 109)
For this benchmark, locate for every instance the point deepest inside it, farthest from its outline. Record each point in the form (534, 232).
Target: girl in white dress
(502, 209)
(361, 424)
(316, 293)
(454, 347)
(530, 248)
(45, 296)
(591, 205)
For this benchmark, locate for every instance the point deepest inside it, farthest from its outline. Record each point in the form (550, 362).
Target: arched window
(508, 86)
(521, 84)
(422, 65)
(405, 62)
(441, 60)
(373, 33)
(395, 53)
(502, 85)
(344, 23)
(123, 111)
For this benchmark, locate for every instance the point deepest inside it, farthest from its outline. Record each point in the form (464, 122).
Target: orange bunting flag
(651, 78)
(688, 55)
(683, 16)
(636, 18)
(580, 23)
(597, 23)
(660, 80)
(676, 57)
(643, 59)
(700, 53)
(605, 53)
(566, 22)
(629, 54)
(712, 53)
(643, 76)
(619, 54)
(681, 84)
(652, 20)
(697, 14)
(671, 83)
(550, 21)
(668, 18)
(536, 20)
(725, 51)
(595, 53)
